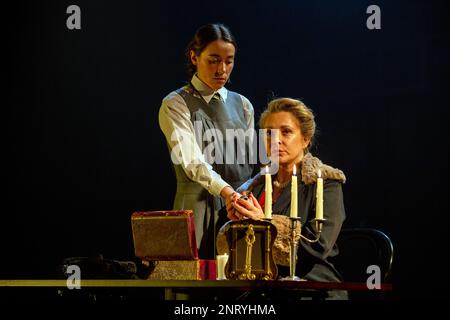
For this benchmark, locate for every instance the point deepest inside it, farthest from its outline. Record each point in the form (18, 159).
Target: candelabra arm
(318, 225)
(294, 245)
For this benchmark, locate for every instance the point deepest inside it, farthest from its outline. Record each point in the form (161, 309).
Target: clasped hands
(243, 206)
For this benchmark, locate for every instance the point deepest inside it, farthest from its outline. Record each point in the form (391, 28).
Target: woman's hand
(229, 195)
(248, 209)
(231, 212)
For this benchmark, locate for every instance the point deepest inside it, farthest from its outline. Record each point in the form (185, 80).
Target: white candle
(319, 196)
(221, 261)
(268, 195)
(294, 200)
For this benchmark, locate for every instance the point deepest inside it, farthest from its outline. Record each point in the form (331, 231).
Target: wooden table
(185, 289)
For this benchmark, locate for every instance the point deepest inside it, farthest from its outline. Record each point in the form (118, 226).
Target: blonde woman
(297, 128)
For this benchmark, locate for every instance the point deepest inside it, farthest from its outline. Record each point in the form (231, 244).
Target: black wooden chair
(360, 248)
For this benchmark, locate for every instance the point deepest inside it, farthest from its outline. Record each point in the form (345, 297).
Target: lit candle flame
(295, 170)
(319, 174)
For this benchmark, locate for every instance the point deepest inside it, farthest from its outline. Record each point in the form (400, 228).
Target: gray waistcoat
(220, 116)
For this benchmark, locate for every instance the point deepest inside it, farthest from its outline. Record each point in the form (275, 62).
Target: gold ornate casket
(256, 247)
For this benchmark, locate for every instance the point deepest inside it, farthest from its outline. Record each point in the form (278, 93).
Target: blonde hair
(299, 110)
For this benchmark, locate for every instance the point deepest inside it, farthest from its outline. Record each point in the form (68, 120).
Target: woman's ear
(193, 57)
(306, 142)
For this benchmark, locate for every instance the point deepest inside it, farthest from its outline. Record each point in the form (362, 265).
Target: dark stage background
(82, 149)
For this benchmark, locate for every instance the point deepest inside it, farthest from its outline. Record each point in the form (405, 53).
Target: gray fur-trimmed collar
(309, 168)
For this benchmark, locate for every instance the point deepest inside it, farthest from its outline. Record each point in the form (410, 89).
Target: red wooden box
(164, 235)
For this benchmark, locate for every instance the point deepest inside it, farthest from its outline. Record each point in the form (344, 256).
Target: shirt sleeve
(175, 123)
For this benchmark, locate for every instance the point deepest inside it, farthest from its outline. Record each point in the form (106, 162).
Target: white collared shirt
(174, 115)
(206, 92)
